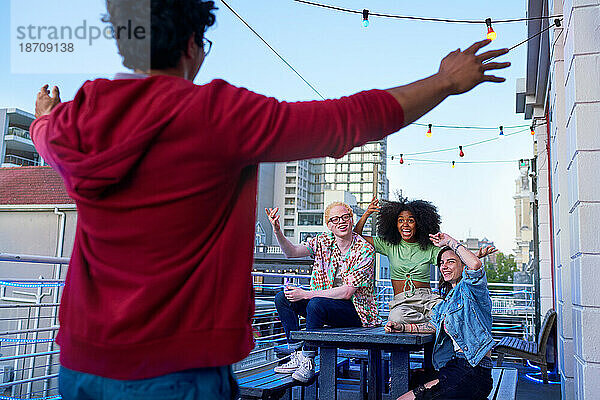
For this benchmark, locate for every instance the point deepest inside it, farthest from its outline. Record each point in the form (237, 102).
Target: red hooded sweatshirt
(164, 176)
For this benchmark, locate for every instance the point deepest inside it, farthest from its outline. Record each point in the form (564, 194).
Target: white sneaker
(291, 365)
(306, 370)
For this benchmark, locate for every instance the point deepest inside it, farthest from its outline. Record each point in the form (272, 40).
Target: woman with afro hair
(403, 229)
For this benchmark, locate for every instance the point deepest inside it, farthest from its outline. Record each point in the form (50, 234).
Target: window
(290, 169)
(290, 190)
(290, 180)
(310, 219)
(288, 232)
(288, 222)
(305, 235)
(290, 201)
(289, 211)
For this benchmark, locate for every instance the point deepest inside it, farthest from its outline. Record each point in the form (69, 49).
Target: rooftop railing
(21, 161)
(29, 323)
(13, 130)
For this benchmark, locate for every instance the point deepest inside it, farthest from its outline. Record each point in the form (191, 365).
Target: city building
(561, 96)
(298, 188)
(523, 217)
(16, 147)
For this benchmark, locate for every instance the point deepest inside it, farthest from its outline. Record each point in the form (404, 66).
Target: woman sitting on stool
(462, 323)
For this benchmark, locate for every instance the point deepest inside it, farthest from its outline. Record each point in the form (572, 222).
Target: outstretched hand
(273, 217)
(44, 103)
(441, 239)
(373, 206)
(486, 251)
(464, 70)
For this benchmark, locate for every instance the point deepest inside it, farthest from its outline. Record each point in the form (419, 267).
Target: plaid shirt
(356, 269)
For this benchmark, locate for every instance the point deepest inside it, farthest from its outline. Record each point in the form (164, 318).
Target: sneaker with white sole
(306, 370)
(291, 365)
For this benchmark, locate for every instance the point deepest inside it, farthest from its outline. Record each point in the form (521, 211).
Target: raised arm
(289, 249)
(486, 251)
(373, 207)
(441, 239)
(460, 71)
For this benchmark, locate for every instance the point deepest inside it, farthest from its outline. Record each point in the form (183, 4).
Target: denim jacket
(466, 314)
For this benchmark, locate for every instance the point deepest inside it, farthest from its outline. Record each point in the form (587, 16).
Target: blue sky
(339, 57)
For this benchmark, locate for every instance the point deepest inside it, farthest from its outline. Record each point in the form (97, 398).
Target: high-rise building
(16, 147)
(298, 187)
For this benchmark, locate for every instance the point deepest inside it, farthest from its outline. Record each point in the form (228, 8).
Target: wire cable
(465, 145)
(468, 127)
(429, 19)
(272, 49)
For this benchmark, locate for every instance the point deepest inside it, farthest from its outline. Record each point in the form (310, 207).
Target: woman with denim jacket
(462, 323)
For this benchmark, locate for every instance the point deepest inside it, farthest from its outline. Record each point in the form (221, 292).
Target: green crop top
(407, 260)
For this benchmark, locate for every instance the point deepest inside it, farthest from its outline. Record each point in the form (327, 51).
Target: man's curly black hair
(170, 24)
(426, 217)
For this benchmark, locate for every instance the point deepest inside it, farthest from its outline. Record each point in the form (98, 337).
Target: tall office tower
(299, 186)
(355, 172)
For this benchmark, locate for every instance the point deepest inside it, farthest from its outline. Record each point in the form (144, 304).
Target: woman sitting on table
(403, 229)
(462, 323)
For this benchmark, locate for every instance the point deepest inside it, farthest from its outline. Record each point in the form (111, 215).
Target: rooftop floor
(529, 390)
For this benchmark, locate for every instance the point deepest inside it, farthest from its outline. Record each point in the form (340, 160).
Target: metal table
(374, 340)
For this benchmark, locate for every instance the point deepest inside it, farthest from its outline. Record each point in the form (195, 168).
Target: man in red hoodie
(158, 300)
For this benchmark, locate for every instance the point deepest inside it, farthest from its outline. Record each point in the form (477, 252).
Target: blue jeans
(318, 311)
(193, 384)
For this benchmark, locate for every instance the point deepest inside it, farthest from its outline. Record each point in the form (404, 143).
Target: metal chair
(532, 351)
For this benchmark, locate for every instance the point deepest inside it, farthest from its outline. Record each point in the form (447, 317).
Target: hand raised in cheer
(44, 103)
(273, 218)
(463, 70)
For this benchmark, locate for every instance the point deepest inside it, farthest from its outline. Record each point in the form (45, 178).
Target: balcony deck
(28, 324)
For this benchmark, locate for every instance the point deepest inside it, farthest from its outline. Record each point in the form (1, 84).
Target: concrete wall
(582, 113)
(574, 103)
(34, 232)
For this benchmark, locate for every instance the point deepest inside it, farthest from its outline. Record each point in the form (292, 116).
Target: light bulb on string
(501, 130)
(365, 22)
(401, 159)
(392, 158)
(490, 31)
(429, 134)
(461, 153)
(532, 128)
(453, 164)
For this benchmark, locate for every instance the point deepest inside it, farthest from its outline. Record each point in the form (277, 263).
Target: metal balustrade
(28, 324)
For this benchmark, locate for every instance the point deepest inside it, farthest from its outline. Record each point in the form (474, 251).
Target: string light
(461, 153)
(490, 31)
(365, 14)
(501, 130)
(453, 148)
(453, 164)
(557, 23)
(429, 134)
(532, 129)
(426, 161)
(469, 126)
(430, 19)
(401, 159)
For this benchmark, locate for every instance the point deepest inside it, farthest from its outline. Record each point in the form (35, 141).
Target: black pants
(460, 381)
